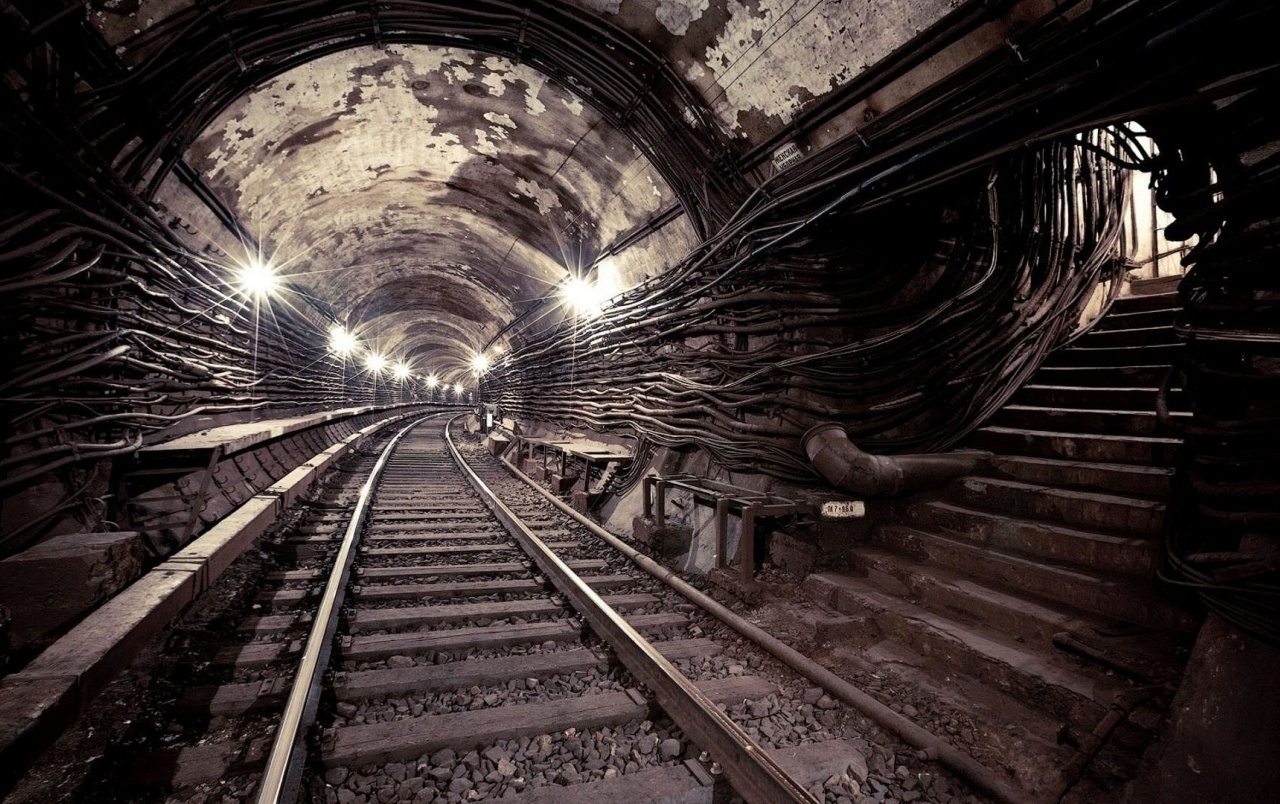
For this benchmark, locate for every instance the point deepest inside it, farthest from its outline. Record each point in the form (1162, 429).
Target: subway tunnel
(936, 338)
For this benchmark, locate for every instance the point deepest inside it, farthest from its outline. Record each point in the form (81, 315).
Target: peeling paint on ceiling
(379, 161)
(676, 15)
(774, 55)
(427, 194)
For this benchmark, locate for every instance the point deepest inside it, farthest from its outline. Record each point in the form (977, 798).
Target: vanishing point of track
(427, 529)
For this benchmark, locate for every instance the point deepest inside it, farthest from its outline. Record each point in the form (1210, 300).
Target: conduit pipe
(929, 745)
(850, 469)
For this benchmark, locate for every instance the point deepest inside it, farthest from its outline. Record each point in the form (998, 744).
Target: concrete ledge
(33, 713)
(234, 438)
(40, 701)
(292, 486)
(88, 567)
(106, 642)
(223, 543)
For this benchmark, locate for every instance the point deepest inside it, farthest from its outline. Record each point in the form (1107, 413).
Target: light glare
(432, 382)
(375, 362)
(480, 363)
(583, 297)
(342, 342)
(457, 389)
(401, 371)
(258, 280)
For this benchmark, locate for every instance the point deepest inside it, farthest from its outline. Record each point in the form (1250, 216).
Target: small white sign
(844, 509)
(786, 155)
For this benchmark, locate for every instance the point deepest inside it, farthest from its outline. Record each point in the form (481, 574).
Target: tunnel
(931, 339)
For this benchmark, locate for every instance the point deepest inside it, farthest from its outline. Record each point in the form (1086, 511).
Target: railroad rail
(444, 634)
(419, 485)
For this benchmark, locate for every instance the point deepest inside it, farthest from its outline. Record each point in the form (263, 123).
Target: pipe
(929, 745)
(850, 469)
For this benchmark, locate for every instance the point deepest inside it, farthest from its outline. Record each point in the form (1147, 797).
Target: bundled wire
(1222, 535)
(909, 342)
(114, 332)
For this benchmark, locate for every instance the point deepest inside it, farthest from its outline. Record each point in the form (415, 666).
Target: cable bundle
(910, 340)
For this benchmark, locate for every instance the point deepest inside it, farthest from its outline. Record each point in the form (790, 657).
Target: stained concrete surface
(53, 584)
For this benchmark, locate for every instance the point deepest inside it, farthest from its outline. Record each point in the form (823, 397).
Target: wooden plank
(460, 675)
(435, 537)
(257, 654)
(416, 616)
(650, 622)
(443, 570)
(440, 550)
(450, 549)
(400, 502)
(424, 516)
(400, 740)
(283, 598)
(506, 586)
(608, 582)
(408, 591)
(294, 576)
(235, 699)
(446, 570)
(373, 647)
(434, 531)
(273, 623)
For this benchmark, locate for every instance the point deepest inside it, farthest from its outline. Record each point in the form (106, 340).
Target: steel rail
(282, 775)
(754, 774)
(930, 746)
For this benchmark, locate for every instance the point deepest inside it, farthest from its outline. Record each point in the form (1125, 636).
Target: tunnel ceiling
(426, 194)
(429, 195)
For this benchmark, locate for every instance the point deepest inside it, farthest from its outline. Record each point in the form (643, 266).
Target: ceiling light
(257, 280)
(401, 371)
(375, 362)
(432, 382)
(480, 363)
(342, 342)
(457, 389)
(583, 297)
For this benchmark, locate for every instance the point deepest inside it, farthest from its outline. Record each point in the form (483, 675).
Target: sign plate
(844, 509)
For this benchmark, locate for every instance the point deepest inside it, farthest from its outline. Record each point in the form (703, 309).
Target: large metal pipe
(850, 469)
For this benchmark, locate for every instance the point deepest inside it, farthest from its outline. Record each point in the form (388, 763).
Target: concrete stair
(1058, 684)
(1091, 592)
(1058, 532)
(1150, 482)
(1071, 505)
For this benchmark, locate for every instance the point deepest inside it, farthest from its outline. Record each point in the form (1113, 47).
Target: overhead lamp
(342, 342)
(375, 362)
(457, 389)
(257, 280)
(583, 297)
(432, 382)
(480, 363)
(401, 371)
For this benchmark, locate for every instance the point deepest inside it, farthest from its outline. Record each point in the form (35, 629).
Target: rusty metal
(751, 505)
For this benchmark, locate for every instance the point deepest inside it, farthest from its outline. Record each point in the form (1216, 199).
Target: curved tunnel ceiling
(426, 195)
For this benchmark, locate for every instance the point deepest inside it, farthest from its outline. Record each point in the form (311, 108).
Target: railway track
(449, 636)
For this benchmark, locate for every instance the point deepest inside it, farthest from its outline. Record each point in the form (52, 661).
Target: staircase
(1051, 545)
